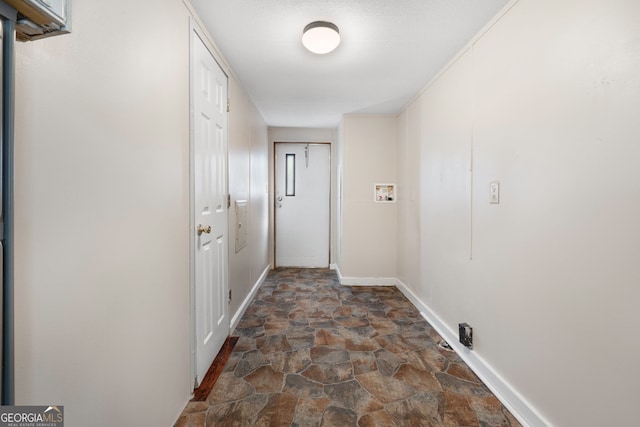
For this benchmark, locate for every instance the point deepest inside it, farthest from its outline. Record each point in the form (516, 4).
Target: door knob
(204, 229)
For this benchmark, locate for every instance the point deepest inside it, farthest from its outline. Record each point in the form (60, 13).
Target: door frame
(196, 31)
(275, 186)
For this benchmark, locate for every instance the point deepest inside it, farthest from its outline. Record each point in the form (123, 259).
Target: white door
(209, 97)
(303, 180)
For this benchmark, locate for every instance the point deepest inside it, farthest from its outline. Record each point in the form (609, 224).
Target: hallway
(312, 352)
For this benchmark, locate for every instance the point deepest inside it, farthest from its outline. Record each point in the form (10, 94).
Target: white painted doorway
(209, 206)
(302, 204)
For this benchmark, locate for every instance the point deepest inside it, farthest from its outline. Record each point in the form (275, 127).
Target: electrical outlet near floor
(465, 333)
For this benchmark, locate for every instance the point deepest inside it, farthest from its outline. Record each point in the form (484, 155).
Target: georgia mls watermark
(31, 416)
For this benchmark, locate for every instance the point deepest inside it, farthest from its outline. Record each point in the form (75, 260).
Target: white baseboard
(512, 400)
(333, 266)
(243, 307)
(368, 281)
(338, 273)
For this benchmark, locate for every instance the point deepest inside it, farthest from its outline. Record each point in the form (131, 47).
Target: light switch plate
(494, 192)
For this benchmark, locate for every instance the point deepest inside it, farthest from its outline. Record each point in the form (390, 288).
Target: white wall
(285, 134)
(368, 248)
(102, 214)
(545, 101)
(248, 180)
(408, 196)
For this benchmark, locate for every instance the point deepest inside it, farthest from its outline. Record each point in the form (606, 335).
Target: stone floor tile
(300, 313)
(195, 407)
(352, 322)
(329, 373)
(266, 380)
(363, 362)
(403, 313)
(459, 386)
(237, 414)
(254, 332)
(323, 324)
(352, 395)
(322, 312)
(250, 361)
(388, 362)
(361, 344)
(301, 342)
(312, 352)
(279, 411)
(302, 387)
(413, 331)
(416, 342)
(244, 344)
(449, 354)
(329, 298)
(329, 337)
(329, 355)
(291, 362)
(403, 322)
(228, 388)
(376, 419)
(395, 343)
(458, 412)
(287, 287)
(385, 389)
(191, 420)
(251, 322)
(418, 379)
(273, 344)
(309, 412)
(359, 333)
(433, 358)
(462, 371)
(276, 327)
(232, 361)
(489, 411)
(194, 415)
(281, 296)
(384, 326)
(285, 306)
(297, 329)
(422, 409)
(338, 417)
(258, 310)
(219, 414)
(279, 316)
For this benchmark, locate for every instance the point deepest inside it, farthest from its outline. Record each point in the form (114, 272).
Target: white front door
(303, 180)
(209, 97)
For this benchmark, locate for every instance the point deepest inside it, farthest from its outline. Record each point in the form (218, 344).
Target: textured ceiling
(390, 49)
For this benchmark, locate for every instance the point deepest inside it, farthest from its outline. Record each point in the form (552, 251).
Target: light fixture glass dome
(321, 37)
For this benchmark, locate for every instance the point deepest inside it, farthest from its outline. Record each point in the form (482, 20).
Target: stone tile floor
(314, 353)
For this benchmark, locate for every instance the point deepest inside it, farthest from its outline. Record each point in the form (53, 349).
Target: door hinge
(228, 201)
(229, 295)
(228, 105)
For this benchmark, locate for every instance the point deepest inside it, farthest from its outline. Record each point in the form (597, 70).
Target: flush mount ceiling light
(321, 37)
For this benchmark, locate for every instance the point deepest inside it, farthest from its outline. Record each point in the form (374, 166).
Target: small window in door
(290, 175)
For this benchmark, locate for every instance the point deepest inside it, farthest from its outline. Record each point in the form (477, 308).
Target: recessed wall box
(494, 192)
(465, 333)
(41, 18)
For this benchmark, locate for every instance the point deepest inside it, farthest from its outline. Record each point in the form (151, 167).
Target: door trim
(275, 202)
(196, 31)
